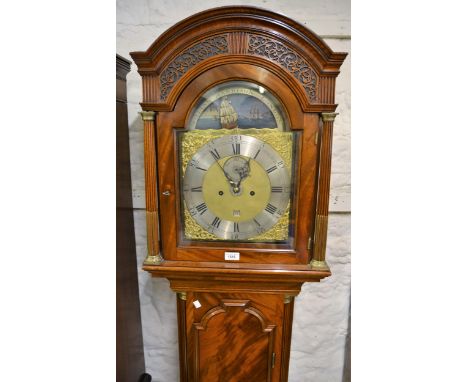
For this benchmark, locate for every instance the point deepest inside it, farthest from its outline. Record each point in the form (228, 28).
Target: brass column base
(319, 265)
(153, 260)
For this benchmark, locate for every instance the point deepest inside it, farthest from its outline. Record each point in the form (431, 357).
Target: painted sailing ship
(227, 115)
(254, 113)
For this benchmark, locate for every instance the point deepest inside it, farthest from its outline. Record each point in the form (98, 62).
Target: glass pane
(237, 167)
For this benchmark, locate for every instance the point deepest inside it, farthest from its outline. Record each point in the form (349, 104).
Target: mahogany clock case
(214, 47)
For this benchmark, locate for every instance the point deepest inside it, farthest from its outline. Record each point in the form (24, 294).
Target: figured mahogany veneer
(240, 328)
(234, 337)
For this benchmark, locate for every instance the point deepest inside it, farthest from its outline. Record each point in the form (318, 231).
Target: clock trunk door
(234, 338)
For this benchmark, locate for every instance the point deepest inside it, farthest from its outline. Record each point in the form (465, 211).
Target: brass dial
(236, 187)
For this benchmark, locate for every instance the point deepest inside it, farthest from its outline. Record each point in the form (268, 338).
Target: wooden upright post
(152, 224)
(321, 223)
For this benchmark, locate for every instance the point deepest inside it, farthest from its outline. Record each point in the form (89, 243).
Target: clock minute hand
(228, 178)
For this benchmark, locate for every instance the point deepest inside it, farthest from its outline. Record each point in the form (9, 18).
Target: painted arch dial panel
(236, 187)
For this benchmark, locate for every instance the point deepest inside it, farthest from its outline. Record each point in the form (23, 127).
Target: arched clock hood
(236, 34)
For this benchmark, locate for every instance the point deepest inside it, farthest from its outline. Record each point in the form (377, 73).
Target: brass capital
(147, 115)
(328, 117)
(288, 298)
(153, 260)
(182, 295)
(319, 265)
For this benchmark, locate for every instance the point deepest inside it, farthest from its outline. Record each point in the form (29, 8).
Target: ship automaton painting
(244, 107)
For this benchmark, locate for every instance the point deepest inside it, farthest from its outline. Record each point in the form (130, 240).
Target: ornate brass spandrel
(193, 230)
(280, 231)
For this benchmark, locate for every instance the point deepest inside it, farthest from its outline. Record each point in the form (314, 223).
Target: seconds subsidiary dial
(236, 187)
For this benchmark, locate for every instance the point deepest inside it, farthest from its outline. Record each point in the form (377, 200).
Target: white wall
(321, 310)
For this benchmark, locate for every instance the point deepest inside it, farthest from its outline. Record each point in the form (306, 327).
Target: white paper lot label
(231, 256)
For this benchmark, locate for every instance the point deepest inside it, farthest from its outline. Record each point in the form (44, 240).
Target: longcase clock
(238, 110)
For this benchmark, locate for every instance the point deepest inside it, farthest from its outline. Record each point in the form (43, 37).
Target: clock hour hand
(236, 169)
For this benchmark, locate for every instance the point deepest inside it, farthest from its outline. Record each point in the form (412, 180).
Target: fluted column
(321, 223)
(152, 224)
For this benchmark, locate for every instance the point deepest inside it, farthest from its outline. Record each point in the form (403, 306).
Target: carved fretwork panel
(237, 43)
(287, 58)
(188, 58)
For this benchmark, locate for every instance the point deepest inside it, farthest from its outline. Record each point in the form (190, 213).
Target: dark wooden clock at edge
(130, 362)
(235, 317)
